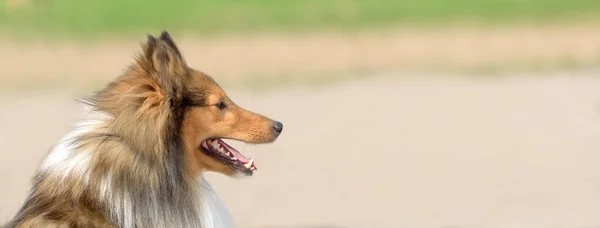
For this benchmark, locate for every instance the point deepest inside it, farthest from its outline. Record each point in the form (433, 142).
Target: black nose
(278, 126)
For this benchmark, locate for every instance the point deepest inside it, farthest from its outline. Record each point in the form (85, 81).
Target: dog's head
(202, 112)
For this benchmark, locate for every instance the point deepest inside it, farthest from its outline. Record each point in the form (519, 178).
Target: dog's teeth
(249, 164)
(231, 156)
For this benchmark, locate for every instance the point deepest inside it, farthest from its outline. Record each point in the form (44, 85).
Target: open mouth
(224, 153)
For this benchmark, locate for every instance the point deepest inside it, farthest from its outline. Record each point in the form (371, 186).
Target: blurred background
(430, 113)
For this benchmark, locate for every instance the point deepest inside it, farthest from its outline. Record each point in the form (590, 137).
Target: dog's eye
(221, 105)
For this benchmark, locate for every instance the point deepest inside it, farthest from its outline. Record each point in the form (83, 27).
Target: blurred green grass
(93, 17)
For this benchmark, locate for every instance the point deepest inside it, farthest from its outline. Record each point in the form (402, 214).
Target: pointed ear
(162, 56)
(148, 49)
(166, 37)
(162, 61)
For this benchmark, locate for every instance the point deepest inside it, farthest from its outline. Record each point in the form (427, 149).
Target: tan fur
(208, 122)
(137, 163)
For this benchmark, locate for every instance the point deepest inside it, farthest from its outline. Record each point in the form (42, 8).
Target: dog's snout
(278, 126)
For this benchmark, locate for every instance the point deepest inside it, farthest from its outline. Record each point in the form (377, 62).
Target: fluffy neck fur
(124, 164)
(131, 189)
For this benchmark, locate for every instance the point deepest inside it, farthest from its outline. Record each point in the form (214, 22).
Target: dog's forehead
(206, 85)
(214, 94)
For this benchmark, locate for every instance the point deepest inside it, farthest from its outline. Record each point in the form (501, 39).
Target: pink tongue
(235, 153)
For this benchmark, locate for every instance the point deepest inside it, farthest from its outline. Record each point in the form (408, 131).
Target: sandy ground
(410, 151)
(285, 57)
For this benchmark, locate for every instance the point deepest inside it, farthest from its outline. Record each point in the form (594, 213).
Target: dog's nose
(278, 126)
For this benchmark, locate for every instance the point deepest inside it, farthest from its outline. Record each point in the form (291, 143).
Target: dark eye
(221, 105)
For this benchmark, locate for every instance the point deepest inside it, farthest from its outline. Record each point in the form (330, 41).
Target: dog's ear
(166, 37)
(162, 60)
(163, 55)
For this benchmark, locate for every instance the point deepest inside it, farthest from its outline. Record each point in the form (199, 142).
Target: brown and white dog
(137, 157)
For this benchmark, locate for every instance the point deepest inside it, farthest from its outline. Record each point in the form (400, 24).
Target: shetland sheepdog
(137, 157)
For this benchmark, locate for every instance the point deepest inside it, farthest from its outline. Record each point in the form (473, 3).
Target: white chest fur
(214, 212)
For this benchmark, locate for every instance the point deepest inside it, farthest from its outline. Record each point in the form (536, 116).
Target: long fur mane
(125, 160)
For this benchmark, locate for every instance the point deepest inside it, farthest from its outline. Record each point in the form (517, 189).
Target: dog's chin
(237, 165)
